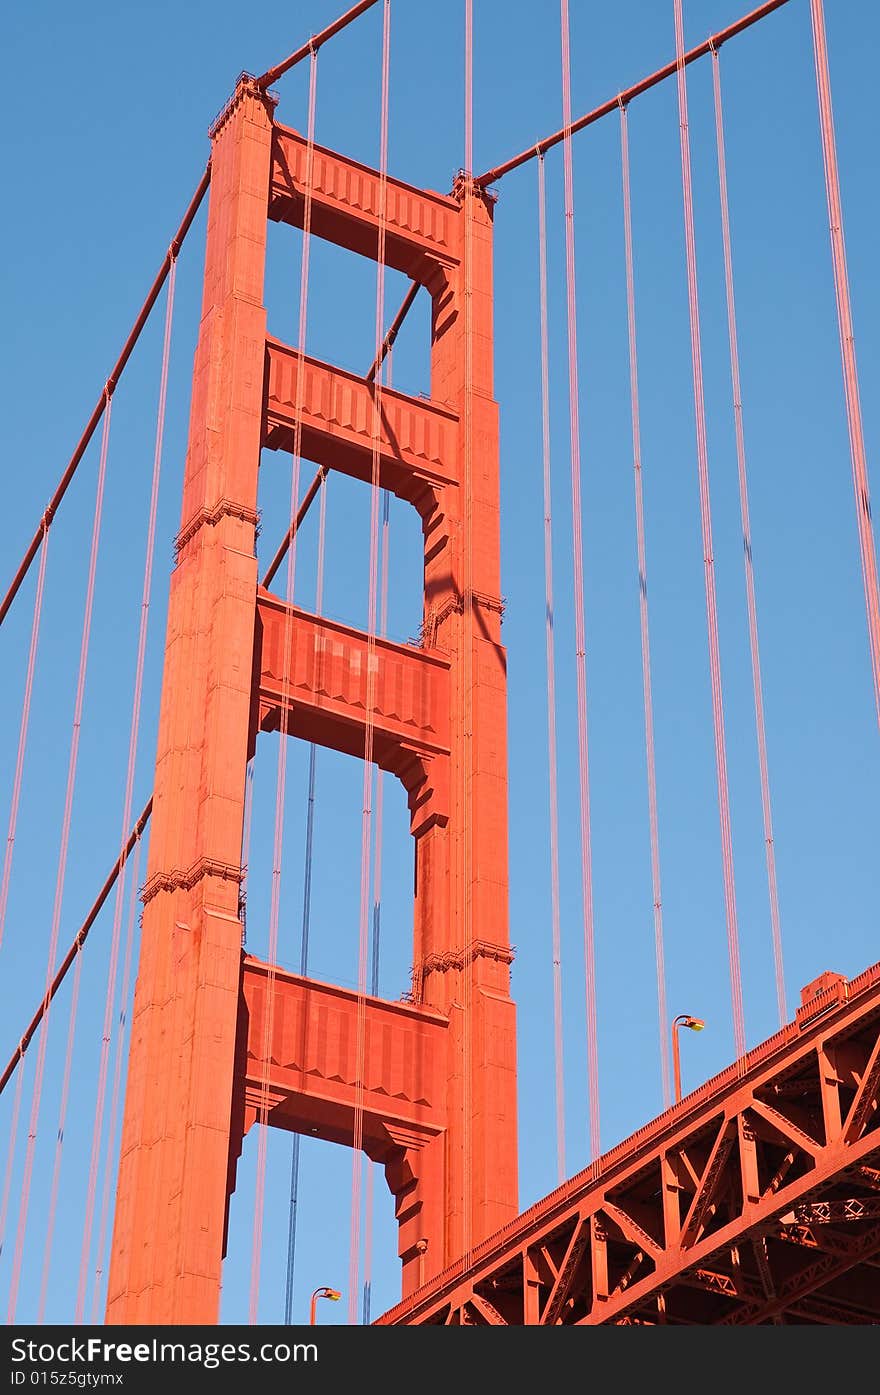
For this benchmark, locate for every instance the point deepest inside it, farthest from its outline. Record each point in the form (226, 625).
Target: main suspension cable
(107, 391)
(644, 84)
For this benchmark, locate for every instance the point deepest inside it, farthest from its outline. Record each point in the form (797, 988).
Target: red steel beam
(613, 103)
(78, 942)
(327, 414)
(314, 43)
(393, 328)
(321, 473)
(697, 1152)
(308, 500)
(107, 391)
(308, 1063)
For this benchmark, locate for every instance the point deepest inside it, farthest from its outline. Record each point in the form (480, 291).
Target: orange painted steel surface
(417, 443)
(440, 1072)
(312, 1062)
(422, 229)
(327, 691)
(312, 1072)
(755, 1200)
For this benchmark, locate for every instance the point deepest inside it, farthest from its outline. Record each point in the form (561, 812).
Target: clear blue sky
(103, 141)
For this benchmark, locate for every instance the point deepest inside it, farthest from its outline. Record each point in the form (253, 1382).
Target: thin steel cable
(284, 724)
(751, 601)
(708, 556)
(629, 94)
(23, 731)
(370, 697)
(580, 623)
(641, 550)
(59, 1139)
(117, 1086)
(306, 925)
(128, 798)
(377, 898)
(61, 870)
(107, 392)
(79, 939)
(10, 1156)
(867, 547)
(550, 645)
(246, 846)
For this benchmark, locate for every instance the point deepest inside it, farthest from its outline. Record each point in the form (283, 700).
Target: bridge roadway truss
(755, 1200)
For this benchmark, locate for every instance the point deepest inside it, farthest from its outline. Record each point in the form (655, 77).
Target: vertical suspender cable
(23, 730)
(757, 685)
(246, 846)
(59, 1137)
(552, 763)
(580, 626)
(284, 724)
(10, 1155)
(709, 563)
(10, 841)
(377, 896)
(306, 923)
(134, 732)
(117, 1082)
(847, 344)
(62, 866)
(643, 613)
(370, 699)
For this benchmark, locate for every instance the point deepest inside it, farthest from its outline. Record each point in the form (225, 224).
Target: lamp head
(696, 1024)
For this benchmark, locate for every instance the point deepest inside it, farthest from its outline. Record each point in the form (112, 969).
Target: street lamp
(332, 1293)
(696, 1024)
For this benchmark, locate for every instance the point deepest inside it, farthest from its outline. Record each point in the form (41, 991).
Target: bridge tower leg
(438, 1087)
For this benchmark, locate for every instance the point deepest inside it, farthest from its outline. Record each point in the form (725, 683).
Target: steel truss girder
(754, 1200)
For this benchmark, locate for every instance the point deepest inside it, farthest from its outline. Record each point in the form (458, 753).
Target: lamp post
(696, 1024)
(332, 1293)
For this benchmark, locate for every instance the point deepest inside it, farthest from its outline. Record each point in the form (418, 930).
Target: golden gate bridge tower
(756, 1198)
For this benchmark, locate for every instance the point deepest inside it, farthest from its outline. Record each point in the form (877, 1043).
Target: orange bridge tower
(438, 1087)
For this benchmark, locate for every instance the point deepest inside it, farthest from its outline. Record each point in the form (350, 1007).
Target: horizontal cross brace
(322, 685)
(421, 227)
(302, 1061)
(342, 427)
